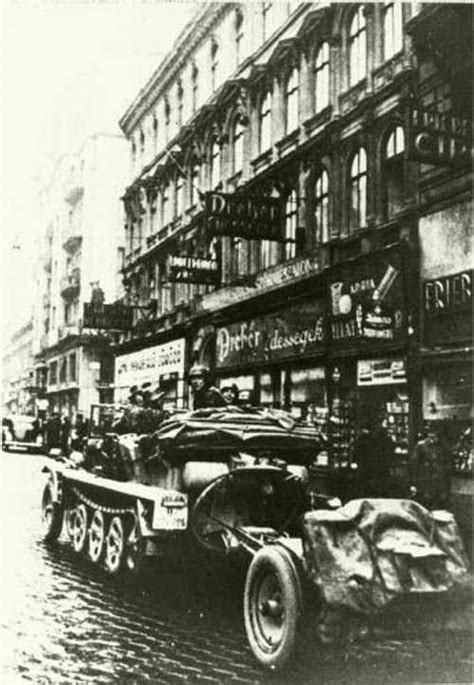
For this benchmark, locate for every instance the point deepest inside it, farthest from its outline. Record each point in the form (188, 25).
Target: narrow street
(63, 621)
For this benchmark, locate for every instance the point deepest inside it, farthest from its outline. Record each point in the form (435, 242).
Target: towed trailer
(236, 483)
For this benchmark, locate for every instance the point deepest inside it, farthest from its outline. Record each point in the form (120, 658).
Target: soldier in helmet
(204, 394)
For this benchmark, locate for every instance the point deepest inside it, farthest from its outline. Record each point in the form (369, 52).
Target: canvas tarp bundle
(366, 553)
(236, 429)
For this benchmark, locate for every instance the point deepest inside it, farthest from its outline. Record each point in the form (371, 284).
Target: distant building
(19, 391)
(81, 250)
(354, 118)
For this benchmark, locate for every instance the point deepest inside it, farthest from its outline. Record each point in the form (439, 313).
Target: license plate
(171, 517)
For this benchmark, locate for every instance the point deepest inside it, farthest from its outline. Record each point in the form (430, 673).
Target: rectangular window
(72, 368)
(53, 373)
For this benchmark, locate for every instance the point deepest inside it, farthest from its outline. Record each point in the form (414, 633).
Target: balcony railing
(70, 285)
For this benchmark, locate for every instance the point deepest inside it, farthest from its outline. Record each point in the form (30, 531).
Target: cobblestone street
(65, 622)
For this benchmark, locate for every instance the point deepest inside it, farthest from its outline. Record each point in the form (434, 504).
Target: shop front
(161, 365)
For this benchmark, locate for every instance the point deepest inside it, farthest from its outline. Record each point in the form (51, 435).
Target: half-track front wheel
(115, 546)
(273, 606)
(51, 514)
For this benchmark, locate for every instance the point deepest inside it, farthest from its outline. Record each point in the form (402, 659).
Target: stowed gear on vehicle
(236, 482)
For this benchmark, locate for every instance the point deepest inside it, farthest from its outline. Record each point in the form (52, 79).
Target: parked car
(19, 433)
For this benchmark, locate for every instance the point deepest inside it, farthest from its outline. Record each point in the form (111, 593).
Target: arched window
(265, 123)
(266, 19)
(393, 172)
(321, 77)
(214, 64)
(215, 164)
(321, 207)
(238, 146)
(358, 190)
(194, 87)
(179, 195)
(291, 220)
(392, 29)
(134, 153)
(357, 48)
(292, 98)
(239, 35)
(142, 143)
(195, 183)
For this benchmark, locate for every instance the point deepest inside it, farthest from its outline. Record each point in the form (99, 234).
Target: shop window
(308, 395)
(239, 35)
(215, 164)
(321, 207)
(194, 87)
(394, 172)
(358, 190)
(53, 373)
(265, 123)
(291, 101)
(357, 48)
(266, 390)
(291, 220)
(72, 368)
(266, 252)
(392, 29)
(321, 78)
(238, 146)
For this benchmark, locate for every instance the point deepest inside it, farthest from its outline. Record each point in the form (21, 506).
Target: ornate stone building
(332, 108)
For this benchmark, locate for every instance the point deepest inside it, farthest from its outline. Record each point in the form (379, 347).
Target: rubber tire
(114, 560)
(274, 561)
(53, 526)
(79, 541)
(97, 529)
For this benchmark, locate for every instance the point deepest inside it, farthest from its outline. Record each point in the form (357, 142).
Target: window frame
(238, 133)
(393, 24)
(215, 154)
(321, 66)
(291, 224)
(265, 119)
(357, 47)
(292, 89)
(358, 187)
(321, 206)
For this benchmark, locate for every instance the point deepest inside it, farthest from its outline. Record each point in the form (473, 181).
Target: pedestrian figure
(204, 394)
(53, 431)
(374, 455)
(65, 434)
(430, 470)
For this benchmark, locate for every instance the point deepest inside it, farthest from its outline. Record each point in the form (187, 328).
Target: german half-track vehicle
(234, 482)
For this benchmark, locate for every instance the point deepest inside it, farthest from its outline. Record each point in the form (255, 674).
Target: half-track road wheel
(96, 536)
(69, 516)
(79, 534)
(51, 514)
(134, 551)
(115, 546)
(273, 607)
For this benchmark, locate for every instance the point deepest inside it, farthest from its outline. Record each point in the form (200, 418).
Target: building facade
(19, 392)
(80, 253)
(350, 121)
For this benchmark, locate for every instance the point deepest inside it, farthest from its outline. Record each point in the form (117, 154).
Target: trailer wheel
(96, 536)
(51, 514)
(115, 546)
(79, 532)
(273, 607)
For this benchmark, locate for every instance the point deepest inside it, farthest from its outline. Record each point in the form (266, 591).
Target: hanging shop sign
(113, 316)
(245, 216)
(296, 332)
(439, 139)
(366, 301)
(381, 372)
(193, 270)
(149, 365)
(447, 308)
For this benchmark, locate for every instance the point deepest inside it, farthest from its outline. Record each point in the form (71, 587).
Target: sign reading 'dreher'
(295, 332)
(245, 216)
(447, 308)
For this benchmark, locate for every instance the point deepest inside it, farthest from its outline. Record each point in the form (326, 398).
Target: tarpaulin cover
(366, 553)
(237, 429)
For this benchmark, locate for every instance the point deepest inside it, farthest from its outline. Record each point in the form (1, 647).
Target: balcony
(70, 285)
(69, 330)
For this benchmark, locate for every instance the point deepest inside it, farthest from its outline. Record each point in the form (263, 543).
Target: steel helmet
(198, 370)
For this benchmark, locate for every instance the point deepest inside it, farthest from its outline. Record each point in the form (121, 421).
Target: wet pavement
(65, 621)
